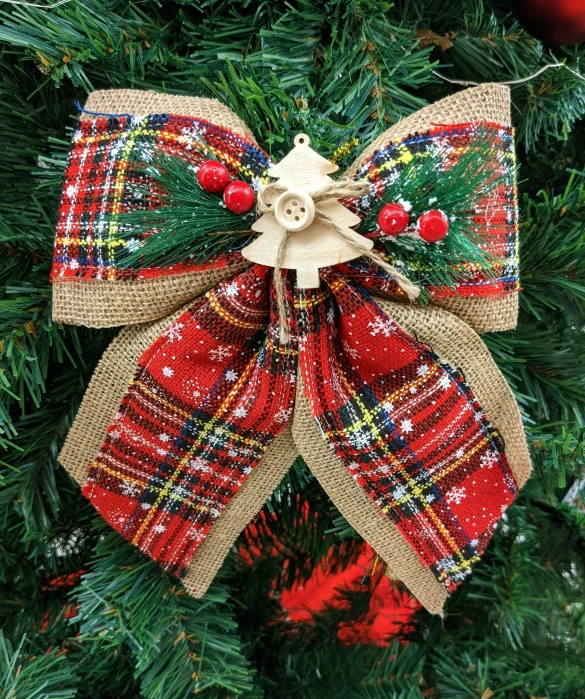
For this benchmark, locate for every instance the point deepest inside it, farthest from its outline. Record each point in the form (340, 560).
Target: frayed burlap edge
(111, 378)
(457, 343)
(145, 102)
(488, 102)
(106, 304)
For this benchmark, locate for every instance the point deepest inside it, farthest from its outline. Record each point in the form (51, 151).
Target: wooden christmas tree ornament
(308, 228)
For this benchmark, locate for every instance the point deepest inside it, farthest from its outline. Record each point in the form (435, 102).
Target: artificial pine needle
(188, 225)
(460, 191)
(192, 226)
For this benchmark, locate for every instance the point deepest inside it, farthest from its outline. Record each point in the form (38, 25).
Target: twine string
(409, 288)
(519, 81)
(339, 189)
(279, 281)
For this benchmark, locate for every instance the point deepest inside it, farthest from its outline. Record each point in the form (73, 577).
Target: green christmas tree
(83, 613)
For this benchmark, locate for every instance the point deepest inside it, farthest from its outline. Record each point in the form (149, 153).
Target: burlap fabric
(107, 303)
(488, 102)
(143, 102)
(101, 401)
(446, 334)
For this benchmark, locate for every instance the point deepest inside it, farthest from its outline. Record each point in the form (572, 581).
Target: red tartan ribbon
(217, 387)
(100, 184)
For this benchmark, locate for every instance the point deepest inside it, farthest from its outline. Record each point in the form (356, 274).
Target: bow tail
(210, 396)
(409, 430)
(360, 511)
(241, 509)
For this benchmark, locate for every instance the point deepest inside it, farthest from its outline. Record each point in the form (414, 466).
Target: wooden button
(294, 210)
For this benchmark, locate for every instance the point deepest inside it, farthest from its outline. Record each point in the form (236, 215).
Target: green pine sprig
(188, 225)
(457, 191)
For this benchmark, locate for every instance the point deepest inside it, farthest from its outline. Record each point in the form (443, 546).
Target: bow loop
(94, 286)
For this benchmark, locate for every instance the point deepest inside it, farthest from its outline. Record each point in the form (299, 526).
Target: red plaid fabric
(211, 394)
(406, 426)
(216, 388)
(100, 186)
(496, 217)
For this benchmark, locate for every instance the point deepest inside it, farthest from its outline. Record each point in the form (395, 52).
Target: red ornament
(213, 176)
(559, 22)
(393, 219)
(432, 226)
(239, 197)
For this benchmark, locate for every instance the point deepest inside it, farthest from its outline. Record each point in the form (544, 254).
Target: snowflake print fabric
(211, 394)
(217, 387)
(406, 426)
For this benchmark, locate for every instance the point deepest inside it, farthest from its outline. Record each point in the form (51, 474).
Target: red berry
(433, 226)
(239, 197)
(213, 176)
(393, 219)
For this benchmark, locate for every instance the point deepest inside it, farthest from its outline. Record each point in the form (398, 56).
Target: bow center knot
(306, 202)
(295, 208)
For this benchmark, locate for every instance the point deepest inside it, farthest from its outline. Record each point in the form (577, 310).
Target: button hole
(302, 209)
(296, 218)
(289, 211)
(295, 203)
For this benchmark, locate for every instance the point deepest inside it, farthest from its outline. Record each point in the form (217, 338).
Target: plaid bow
(197, 410)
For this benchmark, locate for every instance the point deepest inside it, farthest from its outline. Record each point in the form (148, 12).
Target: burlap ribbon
(196, 411)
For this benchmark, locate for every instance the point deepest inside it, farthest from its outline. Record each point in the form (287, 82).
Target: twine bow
(339, 189)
